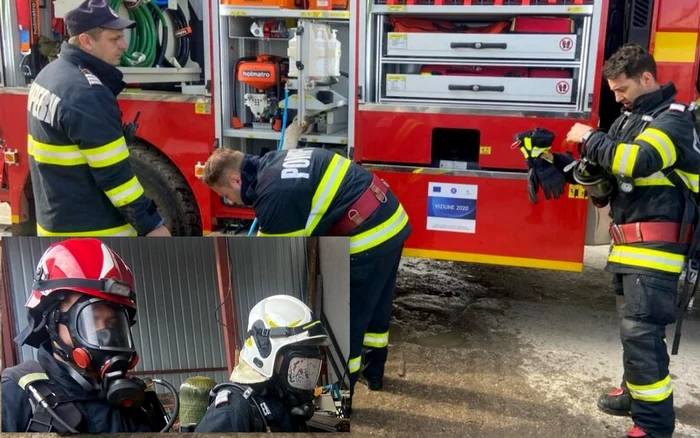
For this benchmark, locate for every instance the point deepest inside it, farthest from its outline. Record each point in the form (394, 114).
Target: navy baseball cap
(92, 14)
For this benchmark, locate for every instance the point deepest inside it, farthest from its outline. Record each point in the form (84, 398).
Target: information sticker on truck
(396, 82)
(452, 207)
(397, 40)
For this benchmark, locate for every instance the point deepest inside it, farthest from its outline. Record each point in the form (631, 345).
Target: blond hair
(220, 164)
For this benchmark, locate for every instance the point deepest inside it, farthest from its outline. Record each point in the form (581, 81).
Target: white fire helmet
(277, 322)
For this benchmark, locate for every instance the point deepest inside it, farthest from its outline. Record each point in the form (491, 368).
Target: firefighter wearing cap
(649, 176)
(315, 192)
(82, 181)
(273, 386)
(80, 313)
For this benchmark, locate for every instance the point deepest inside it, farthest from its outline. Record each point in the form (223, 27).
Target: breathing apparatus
(98, 322)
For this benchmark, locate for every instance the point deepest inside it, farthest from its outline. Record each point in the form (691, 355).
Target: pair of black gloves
(547, 170)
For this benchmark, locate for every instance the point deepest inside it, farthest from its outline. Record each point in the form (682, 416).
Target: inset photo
(186, 334)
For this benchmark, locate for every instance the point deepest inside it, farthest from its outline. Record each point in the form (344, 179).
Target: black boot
(617, 402)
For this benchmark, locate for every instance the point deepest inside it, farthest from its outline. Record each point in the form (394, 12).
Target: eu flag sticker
(452, 207)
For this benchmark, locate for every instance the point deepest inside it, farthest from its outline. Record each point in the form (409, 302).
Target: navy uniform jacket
(78, 157)
(98, 416)
(303, 192)
(654, 138)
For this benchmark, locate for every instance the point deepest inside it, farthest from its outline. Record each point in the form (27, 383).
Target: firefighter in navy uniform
(645, 167)
(315, 192)
(273, 386)
(82, 181)
(80, 312)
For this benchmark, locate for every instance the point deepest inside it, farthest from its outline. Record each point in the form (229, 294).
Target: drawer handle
(478, 45)
(499, 88)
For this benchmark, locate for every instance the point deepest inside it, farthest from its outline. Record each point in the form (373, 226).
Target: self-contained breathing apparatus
(99, 288)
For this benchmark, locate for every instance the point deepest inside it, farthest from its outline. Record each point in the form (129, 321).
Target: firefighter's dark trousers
(649, 305)
(372, 284)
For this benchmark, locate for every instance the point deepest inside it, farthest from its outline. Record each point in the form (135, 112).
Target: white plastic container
(333, 59)
(317, 55)
(292, 55)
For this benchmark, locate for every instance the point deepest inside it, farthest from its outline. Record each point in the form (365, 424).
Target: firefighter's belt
(362, 208)
(637, 232)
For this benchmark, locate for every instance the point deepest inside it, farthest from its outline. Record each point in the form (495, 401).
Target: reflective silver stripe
(661, 143)
(648, 258)
(354, 364)
(380, 233)
(377, 340)
(625, 158)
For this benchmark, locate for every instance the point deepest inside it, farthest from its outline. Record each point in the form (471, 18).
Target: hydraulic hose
(279, 144)
(181, 26)
(142, 46)
(158, 18)
(172, 389)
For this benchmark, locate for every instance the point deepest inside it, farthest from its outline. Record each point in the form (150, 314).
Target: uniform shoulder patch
(91, 78)
(677, 107)
(222, 398)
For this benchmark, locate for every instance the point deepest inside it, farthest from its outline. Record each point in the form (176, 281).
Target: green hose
(144, 37)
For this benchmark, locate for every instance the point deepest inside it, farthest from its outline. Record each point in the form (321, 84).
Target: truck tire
(164, 184)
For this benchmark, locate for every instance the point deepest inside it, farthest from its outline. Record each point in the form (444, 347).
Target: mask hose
(172, 389)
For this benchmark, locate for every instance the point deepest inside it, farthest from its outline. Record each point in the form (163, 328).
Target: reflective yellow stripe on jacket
(107, 155)
(647, 258)
(626, 153)
(58, 155)
(121, 231)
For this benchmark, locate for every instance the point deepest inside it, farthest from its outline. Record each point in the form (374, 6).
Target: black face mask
(297, 379)
(101, 336)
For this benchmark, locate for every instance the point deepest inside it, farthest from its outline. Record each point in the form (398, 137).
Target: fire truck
(428, 94)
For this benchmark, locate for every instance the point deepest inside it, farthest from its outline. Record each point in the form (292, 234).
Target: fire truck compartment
(483, 88)
(484, 46)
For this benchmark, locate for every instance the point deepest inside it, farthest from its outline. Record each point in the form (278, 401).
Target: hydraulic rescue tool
(33, 61)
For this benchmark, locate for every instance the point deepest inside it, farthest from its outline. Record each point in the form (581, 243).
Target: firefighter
(645, 167)
(315, 192)
(80, 311)
(273, 386)
(81, 178)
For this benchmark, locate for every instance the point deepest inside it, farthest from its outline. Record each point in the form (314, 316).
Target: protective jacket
(237, 409)
(310, 191)
(95, 415)
(78, 157)
(650, 148)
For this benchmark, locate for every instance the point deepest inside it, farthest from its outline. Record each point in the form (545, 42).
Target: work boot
(617, 402)
(374, 384)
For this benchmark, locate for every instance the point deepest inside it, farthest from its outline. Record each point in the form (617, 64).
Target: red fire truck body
(398, 139)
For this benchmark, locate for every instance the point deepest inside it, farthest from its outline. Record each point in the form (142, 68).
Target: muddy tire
(164, 184)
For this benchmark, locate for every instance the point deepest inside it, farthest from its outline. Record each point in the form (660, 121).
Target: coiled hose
(182, 38)
(279, 145)
(144, 37)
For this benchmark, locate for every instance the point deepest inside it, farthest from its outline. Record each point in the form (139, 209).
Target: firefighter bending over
(272, 387)
(80, 312)
(79, 160)
(645, 168)
(315, 192)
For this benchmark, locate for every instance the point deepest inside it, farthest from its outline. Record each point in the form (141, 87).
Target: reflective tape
(655, 179)
(376, 340)
(654, 392)
(107, 155)
(661, 143)
(354, 364)
(121, 231)
(289, 234)
(624, 159)
(31, 378)
(326, 191)
(125, 193)
(379, 234)
(647, 258)
(691, 180)
(58, 155)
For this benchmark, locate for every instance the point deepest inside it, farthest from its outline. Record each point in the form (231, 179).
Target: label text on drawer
(396, 82)
(398, 40)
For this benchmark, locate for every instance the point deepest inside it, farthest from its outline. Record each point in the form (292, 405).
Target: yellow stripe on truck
(675, 46)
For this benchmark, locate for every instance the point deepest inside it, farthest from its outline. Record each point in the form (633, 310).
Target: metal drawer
(485, 46)
(549, 90)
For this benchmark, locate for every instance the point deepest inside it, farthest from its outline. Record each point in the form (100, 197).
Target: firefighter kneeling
(273, 386)
(80, 313)
(645, 167)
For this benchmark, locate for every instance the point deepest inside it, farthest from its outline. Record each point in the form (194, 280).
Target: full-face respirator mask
(297, 377)
(100, 332)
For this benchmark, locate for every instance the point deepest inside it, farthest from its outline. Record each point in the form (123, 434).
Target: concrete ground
(489, 351)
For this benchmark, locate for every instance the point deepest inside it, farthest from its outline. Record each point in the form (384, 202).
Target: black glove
(129, 129)
(561, 161)
(544, 174)
(540, 138)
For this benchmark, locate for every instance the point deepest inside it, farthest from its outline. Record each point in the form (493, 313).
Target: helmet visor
(104, 325)
(303, 372)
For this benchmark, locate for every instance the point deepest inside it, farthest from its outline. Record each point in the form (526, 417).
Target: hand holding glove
(293, 133)
(544, 167)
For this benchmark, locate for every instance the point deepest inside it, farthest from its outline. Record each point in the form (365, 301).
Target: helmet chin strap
(81, 380)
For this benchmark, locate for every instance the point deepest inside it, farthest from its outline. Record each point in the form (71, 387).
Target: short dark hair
(632, 60)
(220, 164)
